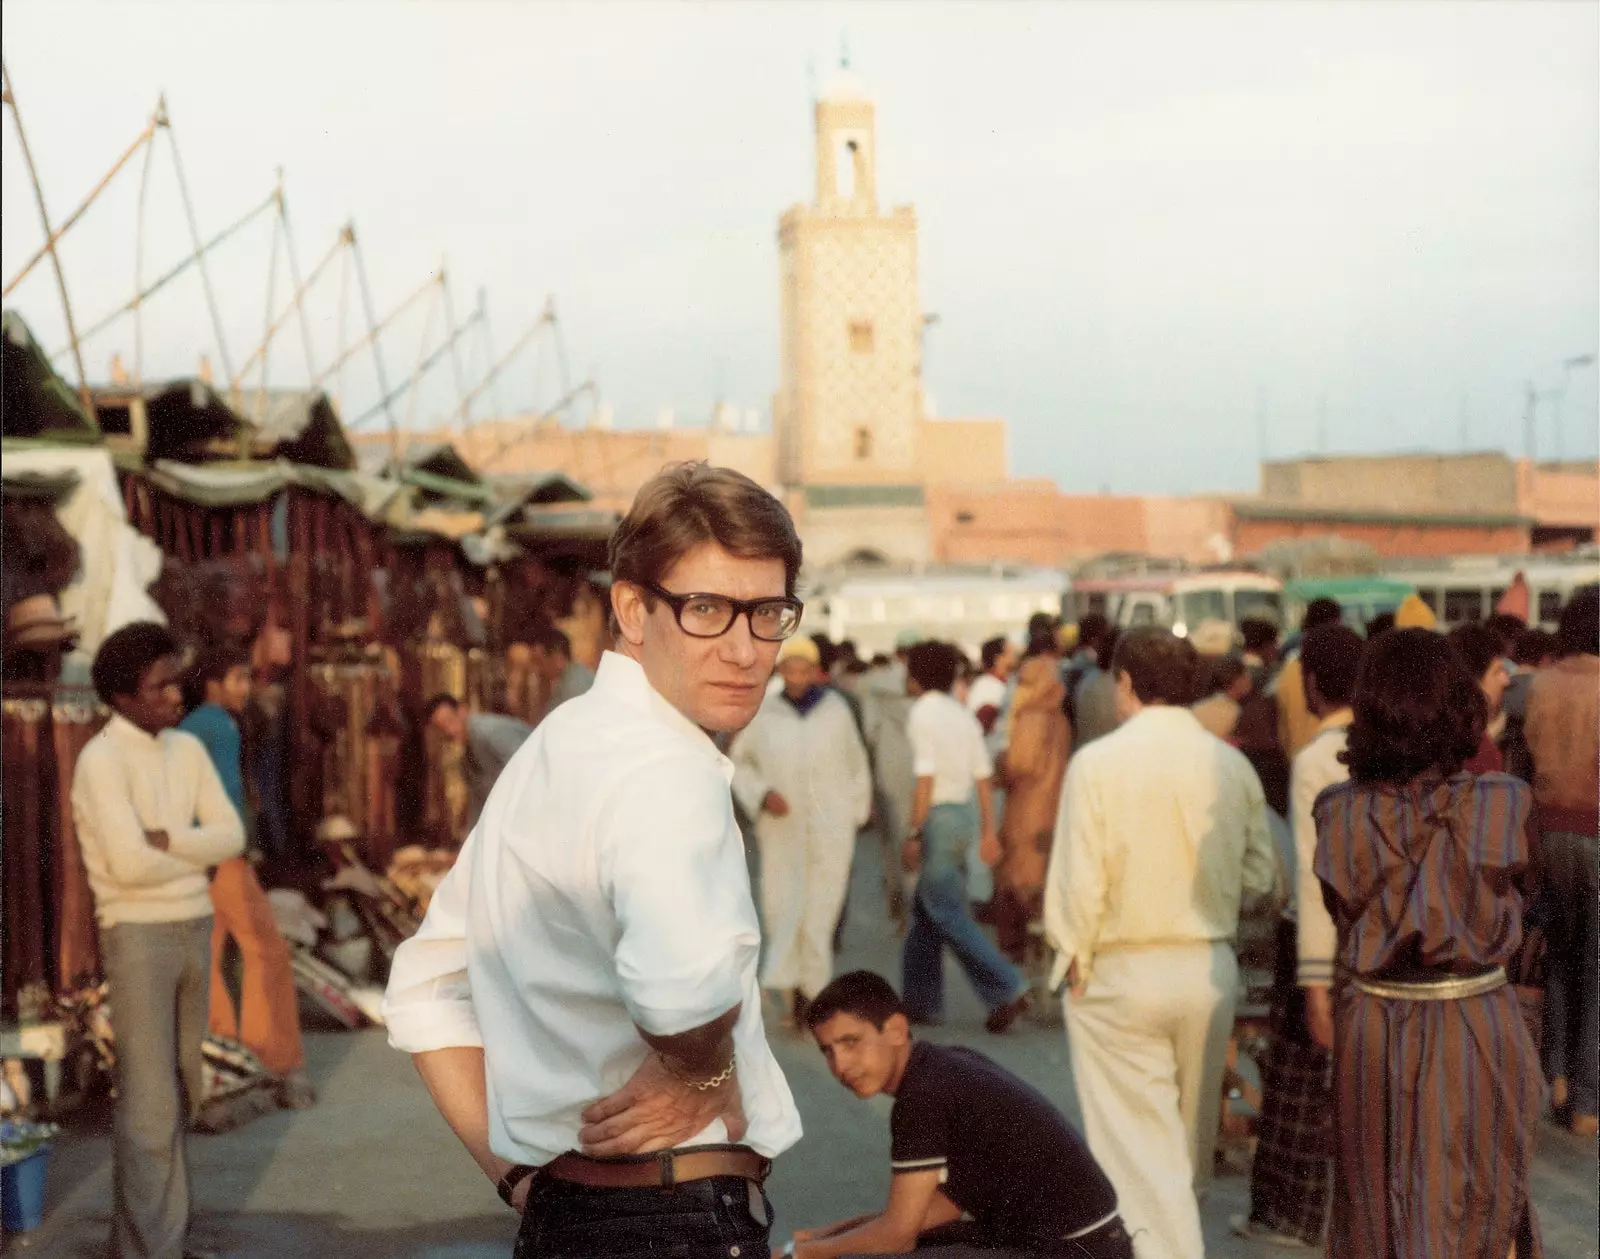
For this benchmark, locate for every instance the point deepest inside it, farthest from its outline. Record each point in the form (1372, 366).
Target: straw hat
(36, 622)
(799, 648)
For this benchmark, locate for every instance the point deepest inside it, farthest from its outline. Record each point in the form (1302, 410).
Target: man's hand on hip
(655, 1110)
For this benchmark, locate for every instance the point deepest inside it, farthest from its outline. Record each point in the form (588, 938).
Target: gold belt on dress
(1454, 988)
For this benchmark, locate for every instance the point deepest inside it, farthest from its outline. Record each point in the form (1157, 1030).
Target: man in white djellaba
(801, 772)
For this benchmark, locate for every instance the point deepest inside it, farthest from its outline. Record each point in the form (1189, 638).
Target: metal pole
(488, 352)
(455, 351)
(49, 244)
(288, 310)
(10, 98)
(138, 262)
(294, 278)
(266, 318)
(90, 333)
(377, 350)
(426, 366)
(499, 367)
(422, 355)
(420, 291)
(194, 236)
(344, 305)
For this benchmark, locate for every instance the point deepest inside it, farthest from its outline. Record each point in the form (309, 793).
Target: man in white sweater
(152, 817)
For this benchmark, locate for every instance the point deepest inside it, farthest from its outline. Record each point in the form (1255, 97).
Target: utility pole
(1530, 422)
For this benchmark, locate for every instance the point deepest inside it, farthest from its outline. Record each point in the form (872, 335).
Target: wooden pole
(66, 226)
(294, 278)
(10, 98)
(194, 237)
(377, 352)
(283, 318)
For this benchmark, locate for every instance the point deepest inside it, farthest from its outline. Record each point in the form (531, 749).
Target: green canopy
(37, 402)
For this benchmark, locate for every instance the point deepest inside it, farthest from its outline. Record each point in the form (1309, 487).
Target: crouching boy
(983, 1164)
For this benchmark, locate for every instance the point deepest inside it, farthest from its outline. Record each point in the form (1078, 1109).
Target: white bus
(960, 604)
(1466, 588)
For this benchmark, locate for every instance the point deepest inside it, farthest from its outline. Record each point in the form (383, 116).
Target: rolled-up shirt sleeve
(428, 1003)
(672, 864)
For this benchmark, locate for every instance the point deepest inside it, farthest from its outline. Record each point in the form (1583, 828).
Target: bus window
(1263, 605)
(1462, 605)
(1430, 596)
(1549, 607)
(1495, 595)
(1143, 613)
(1202, 605)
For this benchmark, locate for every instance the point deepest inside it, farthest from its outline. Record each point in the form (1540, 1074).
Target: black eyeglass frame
(741, 607)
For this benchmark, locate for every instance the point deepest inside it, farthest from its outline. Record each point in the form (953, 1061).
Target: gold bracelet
(700, 1086)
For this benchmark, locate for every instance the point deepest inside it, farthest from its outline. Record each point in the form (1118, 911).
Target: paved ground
(372, 1172)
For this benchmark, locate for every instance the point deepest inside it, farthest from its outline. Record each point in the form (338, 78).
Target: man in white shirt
(583, 989)
(987, 696)
(1294, 1149)
(152, 817)
(800, 771)
(952, 815)
(1162, 835)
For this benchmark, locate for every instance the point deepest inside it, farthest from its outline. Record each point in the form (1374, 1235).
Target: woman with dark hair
(1436, 1081)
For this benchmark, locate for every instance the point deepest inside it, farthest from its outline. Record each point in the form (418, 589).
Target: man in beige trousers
(1161, 836)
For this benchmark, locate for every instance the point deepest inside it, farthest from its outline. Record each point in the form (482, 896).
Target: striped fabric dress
(1436, 1103)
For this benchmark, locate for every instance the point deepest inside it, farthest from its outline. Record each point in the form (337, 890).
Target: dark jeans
(722, 1217)
(1571, 1002)
(940, 917)
(966, 1239)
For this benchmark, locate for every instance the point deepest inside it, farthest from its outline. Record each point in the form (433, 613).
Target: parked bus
(1360, 599)
(1186, 603)
(1466, 588)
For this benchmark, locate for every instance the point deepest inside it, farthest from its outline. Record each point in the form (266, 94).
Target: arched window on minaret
(848, 168)
(863, 442)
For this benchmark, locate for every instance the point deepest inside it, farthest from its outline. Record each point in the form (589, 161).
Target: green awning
(36, 401)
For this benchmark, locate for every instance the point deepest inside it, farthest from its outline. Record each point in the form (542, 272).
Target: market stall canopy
(184, 419)
(300, 425)
(238, 484)
(514, 492)
(37, 402)
(564, 535)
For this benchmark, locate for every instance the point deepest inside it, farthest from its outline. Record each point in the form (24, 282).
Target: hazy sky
(1150, 231)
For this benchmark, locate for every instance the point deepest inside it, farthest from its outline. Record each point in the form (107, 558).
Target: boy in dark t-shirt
(983, 1164)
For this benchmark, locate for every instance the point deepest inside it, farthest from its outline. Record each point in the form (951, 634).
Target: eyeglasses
(712, 616)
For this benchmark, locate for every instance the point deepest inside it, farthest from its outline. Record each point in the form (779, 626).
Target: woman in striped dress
(1437, 1087)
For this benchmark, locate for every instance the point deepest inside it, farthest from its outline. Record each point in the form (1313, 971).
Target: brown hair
(687, 504)
(1163, 668)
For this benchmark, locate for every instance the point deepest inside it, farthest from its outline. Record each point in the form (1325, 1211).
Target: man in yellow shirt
(1297, 724)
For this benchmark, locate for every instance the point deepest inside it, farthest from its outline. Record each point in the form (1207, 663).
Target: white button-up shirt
(603, 890)
(1161, 835)
(947, 746)
(128, 782)
(1316, 766)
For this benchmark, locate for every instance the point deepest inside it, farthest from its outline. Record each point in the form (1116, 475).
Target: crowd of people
(1414, 810)
(588, 997)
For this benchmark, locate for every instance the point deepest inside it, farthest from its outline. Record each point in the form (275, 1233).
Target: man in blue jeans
(952, 808)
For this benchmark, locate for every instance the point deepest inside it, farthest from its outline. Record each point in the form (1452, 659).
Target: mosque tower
(849, 406)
